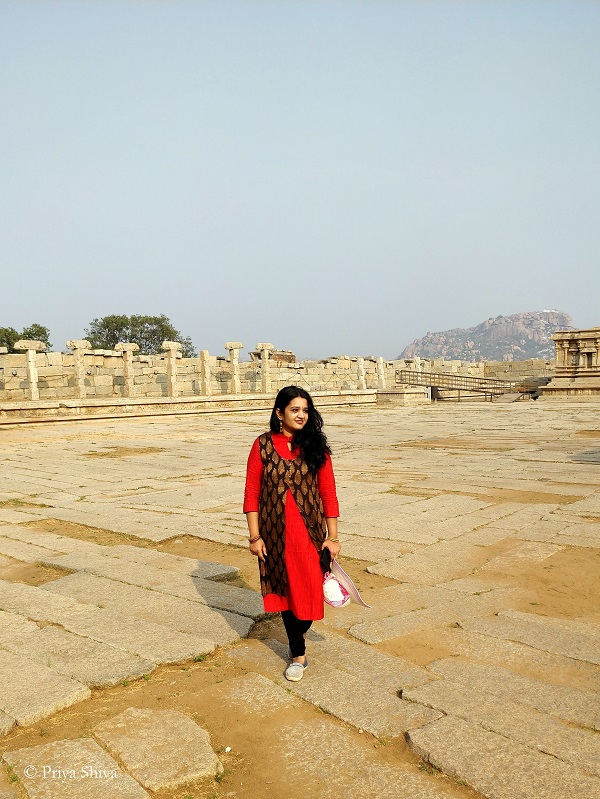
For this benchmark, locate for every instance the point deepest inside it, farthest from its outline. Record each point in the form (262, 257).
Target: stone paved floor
(475, 649)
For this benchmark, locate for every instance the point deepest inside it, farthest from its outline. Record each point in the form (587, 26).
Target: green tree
(148, 332)
(35, 332)
(8, 337)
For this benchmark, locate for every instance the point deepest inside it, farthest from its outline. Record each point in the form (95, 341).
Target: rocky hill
(505, 338)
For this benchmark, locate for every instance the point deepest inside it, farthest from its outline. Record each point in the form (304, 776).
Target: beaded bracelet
(254, 540)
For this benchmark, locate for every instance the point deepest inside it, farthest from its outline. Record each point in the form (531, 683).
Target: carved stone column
(234, 348)
(265, 366)
(171, 348)
(362, 377)
(205, 385)
(31, 347)
(127, 349)
(79, 347)
(380, 373)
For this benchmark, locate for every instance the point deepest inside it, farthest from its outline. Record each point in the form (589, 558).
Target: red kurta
(305, 579)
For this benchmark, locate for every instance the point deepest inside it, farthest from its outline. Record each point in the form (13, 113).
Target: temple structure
(577, 371)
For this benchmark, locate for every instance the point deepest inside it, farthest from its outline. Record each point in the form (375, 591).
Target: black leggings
(295, 629)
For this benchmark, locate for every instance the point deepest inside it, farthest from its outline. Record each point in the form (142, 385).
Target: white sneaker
(295, 671)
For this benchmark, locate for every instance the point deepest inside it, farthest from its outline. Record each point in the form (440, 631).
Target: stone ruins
(32, 374)
(577, 372)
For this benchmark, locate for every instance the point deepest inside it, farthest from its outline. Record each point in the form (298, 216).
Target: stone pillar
(79, 346)
(362, 378)
(380, 373)
(234, 348)
(265, 366)
(171, 348)
(31, 347)
(127, 350)
(205, 386)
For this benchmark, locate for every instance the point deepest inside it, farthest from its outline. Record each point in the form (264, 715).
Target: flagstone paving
(160, 748)
(451, 508)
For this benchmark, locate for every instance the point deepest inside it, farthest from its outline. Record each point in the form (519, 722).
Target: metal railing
(455, 382)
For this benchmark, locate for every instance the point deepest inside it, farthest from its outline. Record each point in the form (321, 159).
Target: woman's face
(294, 416)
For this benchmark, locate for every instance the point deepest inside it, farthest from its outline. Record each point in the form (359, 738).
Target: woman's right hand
(259, 549)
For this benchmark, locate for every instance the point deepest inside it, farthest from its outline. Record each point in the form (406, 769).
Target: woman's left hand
(333, 547)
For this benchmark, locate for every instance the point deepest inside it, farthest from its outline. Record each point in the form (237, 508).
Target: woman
(291, 507)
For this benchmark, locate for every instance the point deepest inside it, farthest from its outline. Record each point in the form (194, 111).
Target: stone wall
(84, 373)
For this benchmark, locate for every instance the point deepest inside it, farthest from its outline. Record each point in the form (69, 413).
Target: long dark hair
(311, 440)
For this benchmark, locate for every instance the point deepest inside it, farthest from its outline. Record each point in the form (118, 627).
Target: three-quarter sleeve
(254, 471)
(326, 483)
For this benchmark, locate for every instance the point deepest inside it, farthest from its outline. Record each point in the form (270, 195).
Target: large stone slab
(438, 563)
(578, 707)
(30, 691)
(518, 722)
(536, 663)
(391, 601)
(208, 592)
(520, 558)
(162, 749)
(176, 563)
(372, 549)
(58, 543)
(149, 641)
(90, 662)
(365, 663)
(25, 552)
(454, 609)
(497, 767)
(360, 704)
(6, 723)
(130, 600)
(327, 762)
(363, 703)
(132, 554)
(573, 639)
(319, 754)
(254, 694)
(77, 769)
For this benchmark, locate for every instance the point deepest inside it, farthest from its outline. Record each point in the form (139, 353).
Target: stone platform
(458, 523)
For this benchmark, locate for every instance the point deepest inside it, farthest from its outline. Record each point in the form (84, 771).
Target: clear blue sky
(334, 177)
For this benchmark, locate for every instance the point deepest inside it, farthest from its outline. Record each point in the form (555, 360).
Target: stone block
(176, 563)
(162, 749)
(573, 639)
(254, 694)
(82, 659)
(570, 704)
(72, 769)
(29, 344)
(497, 767)
(521, 558)
(222, 596)
(453, 608)
(220, 627)
(375, 668)
(6, 724)
(52, 692)
(359, 703)
(149, 641)
(438, 563)
(520, 723)
(25, 552)
(329, 763)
